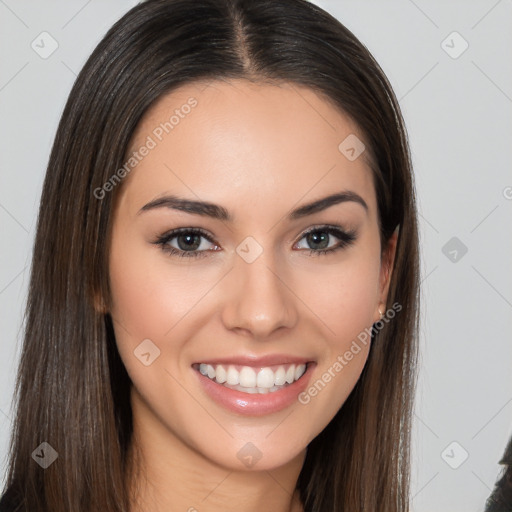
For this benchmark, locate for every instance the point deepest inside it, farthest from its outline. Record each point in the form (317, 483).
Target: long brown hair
(72, 390)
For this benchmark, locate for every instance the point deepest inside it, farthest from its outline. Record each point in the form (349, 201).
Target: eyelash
(346, 238)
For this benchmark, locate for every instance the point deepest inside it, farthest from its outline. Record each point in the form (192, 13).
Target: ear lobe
(387, 262)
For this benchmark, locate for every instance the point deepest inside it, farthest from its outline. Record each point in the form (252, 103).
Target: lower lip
(255, 404)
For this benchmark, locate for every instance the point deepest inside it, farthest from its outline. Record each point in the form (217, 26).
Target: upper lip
(266, 360)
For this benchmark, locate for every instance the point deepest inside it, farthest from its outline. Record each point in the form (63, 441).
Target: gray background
(457, 106)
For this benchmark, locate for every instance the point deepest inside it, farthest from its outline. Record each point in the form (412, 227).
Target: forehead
(236, 139)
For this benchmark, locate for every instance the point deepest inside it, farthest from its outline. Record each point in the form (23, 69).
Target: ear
(386, 268)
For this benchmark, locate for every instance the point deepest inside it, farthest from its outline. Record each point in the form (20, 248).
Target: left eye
(320, 236)
(189, 241)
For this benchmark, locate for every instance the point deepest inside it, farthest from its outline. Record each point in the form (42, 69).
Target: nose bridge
(261, 301)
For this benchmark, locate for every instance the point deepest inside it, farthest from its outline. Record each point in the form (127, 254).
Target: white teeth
(247, 377)
(299, 371)
(264, 381)
(265, 378)
(233, 377)
(220, 374)
(280, 376)
(290, 374)
(261, 391)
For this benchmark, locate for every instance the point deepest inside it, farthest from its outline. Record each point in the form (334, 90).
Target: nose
(257, 298)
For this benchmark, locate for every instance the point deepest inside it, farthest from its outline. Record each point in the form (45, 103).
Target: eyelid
(345, 236)
(177, 231)
(334, 227)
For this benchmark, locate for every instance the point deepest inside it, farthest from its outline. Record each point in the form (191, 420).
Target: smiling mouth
(247, 379)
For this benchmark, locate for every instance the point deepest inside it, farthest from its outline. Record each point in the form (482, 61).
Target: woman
(223, 303)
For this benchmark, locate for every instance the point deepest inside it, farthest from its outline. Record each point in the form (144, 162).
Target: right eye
(188, 241)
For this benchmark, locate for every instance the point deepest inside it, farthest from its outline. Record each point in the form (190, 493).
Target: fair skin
(259, 151)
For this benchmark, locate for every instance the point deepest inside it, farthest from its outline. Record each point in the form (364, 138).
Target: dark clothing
(501, 498)
(8, 505)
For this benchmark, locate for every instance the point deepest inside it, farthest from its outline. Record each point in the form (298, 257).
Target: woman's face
(243, 293)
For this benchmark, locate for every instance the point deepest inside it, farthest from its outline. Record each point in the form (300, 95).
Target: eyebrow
(216, 211)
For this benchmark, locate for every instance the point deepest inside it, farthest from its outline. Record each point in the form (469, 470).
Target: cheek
(149, 296)
(158, 300)
(346, 301)
(150, 303)
(344, 297)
